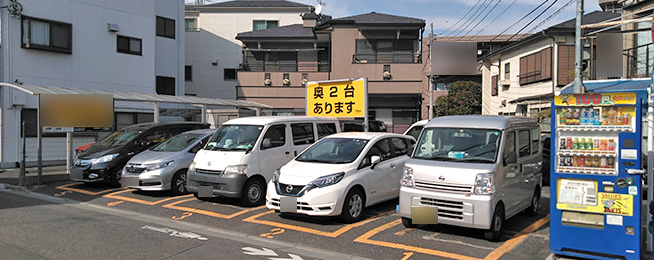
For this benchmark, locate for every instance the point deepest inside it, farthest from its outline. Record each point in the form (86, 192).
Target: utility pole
(578, 86)
(431, 87)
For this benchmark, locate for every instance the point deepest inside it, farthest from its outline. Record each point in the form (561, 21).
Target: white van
(241, 157)
(473, 171)
(415, 128)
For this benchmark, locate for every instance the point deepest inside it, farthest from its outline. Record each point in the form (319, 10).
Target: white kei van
(241, 157)
(473, 171)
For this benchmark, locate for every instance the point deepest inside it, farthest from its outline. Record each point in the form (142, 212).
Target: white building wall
(93, 64)
(493, 105)
(216, 40)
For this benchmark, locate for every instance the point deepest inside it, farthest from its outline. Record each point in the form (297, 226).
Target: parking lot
(380, 235)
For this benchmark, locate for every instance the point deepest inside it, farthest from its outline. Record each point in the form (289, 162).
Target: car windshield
(333, 150)
(234, 137)
(459, 144)
(177, 143)
(118, 138)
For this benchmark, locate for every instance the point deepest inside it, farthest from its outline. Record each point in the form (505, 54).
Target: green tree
(463, 98)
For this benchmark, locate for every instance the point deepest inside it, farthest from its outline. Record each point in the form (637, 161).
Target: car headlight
(275, 176)
(407, 177)
(236, 169)
(157, 166)
(484, 184)
(192, 166)
(104, 159)
(327, 180)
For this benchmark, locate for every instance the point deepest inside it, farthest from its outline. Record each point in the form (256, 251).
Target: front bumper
(327, 201)
(92, 173)
(156, 180)
(230, 185)
(465, 210)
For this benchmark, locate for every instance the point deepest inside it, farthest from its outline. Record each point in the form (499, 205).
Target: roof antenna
(319, 6)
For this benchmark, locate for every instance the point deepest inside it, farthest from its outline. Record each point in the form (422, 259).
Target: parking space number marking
(407, 255)
(184, 215)
(111, 204)
(59, 194)
(273, 232)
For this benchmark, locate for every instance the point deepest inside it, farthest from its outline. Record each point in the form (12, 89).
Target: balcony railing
(322, 66)
(387, 58)
(191, 29)
(639, 63)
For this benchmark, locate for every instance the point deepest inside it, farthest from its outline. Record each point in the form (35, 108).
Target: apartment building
(126, 46)
(384, 48)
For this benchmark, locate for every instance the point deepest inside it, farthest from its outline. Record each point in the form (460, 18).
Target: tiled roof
(379, 18)
(289, 31)
(257, 3)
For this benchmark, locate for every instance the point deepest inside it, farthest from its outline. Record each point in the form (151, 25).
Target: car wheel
(497, 225)
(178, 183)
(535, 202)
(353, 206)
(407, 222)
(114, 178)
(253, 193)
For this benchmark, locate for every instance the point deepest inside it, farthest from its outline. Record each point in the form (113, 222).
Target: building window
(165, 27)
(494, 85)
(536, 67)
(386, 51)
(46, 35)
(128, 45)
(262, 25)
(507, 71)
(165, 85)
(230, 74)
(188, 73)
(189, 25)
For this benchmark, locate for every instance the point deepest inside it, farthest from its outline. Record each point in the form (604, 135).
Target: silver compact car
(164, 166)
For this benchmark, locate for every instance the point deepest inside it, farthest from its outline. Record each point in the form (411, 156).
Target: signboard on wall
(453, 58)
(76, 112)
(337, 98)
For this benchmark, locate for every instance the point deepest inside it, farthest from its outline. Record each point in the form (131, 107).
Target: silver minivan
(473, 171)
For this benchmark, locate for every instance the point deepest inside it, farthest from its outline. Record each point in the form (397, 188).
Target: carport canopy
(140, 97)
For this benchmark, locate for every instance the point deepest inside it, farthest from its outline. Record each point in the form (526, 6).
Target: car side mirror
(374, 160)
(266, 143)
(510, 158)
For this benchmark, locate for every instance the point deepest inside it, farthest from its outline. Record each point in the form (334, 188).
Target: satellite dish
(318, 8)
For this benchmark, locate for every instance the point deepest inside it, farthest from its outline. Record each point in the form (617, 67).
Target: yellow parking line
(338, 232)
(66, 187)
(517, 239)
(365, 238)
(139, 201)
(206, 212)
(495, 254)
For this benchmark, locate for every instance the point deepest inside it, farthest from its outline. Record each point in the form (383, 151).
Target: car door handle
(393, 165)
(295, 153)
(130, 153)
(287, 152)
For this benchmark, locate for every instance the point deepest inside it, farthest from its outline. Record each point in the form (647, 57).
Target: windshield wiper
(445, 159)
(313, 160)
(476, 160)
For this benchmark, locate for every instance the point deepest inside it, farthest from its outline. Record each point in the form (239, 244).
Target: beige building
(384, 48)
(520, 79)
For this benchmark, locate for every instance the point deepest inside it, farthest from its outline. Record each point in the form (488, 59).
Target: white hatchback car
(341, 175)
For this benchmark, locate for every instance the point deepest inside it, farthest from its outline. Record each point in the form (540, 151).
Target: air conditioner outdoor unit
(505, 82)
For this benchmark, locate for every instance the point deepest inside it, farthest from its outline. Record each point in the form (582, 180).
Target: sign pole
(39, 130)
(650, 151)
(365, 107)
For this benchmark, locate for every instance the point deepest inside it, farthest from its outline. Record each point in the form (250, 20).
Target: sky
(463, 17)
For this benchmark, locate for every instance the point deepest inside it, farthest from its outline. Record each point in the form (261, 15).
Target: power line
(478, 15)
(552, 16)
(457, 22)
(533, 20)
(482, 19)
(498, 16)
(514, 24)
(457, 11)
(470, 20)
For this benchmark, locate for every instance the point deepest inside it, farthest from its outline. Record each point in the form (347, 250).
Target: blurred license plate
(288, 204)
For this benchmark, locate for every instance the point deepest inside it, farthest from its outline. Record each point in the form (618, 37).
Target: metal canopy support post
(39, 131)
(69, 152)
(258, 113)
(155, 107)
(204, 113)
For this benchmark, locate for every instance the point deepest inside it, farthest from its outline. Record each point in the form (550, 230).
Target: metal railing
(387, 58)
(191, 29)
(639, 64)
(322, 66)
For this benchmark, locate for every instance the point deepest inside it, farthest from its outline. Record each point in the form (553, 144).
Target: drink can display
(582, 144)
(581, 161)
(605, 145)
(575, 144)
(575, 161)
(589, 161)
(611, 145)
(596, 162)
(589, 144)
(627, 119)
(562, 143)
(610, 162)
(568, 143)
(603, 162)
(596, 144)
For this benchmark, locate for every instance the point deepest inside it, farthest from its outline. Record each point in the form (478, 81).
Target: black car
(546, 141)
(104, 160)
(357, 126)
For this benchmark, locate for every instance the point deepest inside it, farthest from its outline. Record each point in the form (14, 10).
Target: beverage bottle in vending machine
(575, 115)
(583, 116)
(597, 119)
(596, 144)
(590, 116)
(568, 143)
(575, 144)
(562, 143)
(618, 116)
(582, 144)
(611, 116)
(562, 116)
(575, 161)
(611, 145)
(589, 144)
(603, 162)
(610, 162)
(605, 144)
(626, 119)
(581, 161)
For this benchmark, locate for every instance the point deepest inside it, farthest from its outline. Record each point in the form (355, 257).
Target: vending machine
(595, 190)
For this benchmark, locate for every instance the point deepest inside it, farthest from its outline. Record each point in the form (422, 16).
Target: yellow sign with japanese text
(608, 203)
(595, 99)
(337, 98)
